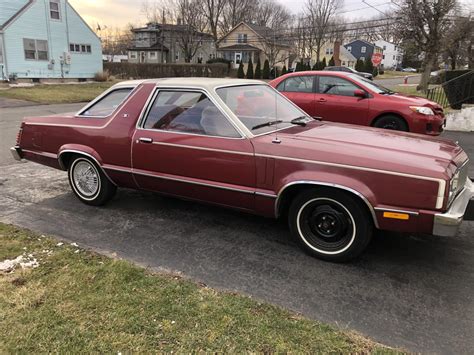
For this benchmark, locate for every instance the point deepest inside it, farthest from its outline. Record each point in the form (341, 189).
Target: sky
(118, 13)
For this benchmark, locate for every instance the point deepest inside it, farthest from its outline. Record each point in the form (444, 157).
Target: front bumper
(447, 224)
(16, 153)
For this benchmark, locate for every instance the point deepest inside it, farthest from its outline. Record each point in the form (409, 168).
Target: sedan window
(105, 106)
(188, 112)
(297, 84)
(332, 85)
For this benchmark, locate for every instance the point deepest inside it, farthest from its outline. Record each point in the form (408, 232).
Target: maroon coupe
(241, 144)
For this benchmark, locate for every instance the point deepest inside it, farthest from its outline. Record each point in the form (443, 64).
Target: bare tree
(157, 11)
(320, 14)
(213, 12)
(458, 40)
(236, 11)
(426, 21)
(270, 13)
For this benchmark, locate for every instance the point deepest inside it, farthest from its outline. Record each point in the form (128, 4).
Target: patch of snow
(74, 244)
(59, 244)
(462, 120)
(23, 261)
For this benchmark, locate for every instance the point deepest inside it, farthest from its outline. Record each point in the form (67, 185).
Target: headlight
(423, 110)
(453, 187)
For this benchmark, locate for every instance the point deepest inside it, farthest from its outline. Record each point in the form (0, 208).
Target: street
(413, 292)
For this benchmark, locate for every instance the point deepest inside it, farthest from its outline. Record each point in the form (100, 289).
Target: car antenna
(276, 140)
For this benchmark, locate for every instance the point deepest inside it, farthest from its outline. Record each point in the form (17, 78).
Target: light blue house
(46, 39)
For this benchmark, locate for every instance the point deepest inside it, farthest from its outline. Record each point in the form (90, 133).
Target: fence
(146, 70)
(454, 92)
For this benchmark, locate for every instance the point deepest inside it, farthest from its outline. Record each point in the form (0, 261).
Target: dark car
(350, 70)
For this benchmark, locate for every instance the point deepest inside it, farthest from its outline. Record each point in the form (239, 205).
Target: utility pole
(162, 35)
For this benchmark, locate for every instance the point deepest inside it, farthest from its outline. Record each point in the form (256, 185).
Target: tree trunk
(425, 77)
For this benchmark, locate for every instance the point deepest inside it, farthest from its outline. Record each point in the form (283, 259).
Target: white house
(392, 54)
(41, 39)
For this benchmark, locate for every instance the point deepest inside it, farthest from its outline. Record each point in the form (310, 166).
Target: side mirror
(360, 93)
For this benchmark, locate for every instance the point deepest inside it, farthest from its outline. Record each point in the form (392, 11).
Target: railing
(454, 92)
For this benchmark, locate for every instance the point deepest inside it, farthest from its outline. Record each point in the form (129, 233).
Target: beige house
(340, 54)
(248, 41)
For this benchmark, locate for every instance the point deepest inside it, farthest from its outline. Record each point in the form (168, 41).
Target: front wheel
(330, 224)
(391, 122)
(89, 183)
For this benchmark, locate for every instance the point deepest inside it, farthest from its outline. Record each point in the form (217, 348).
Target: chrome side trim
(61, 164)
(193, 182)
(264, 194)
(441, 186)
(381, 209)
(319, 183)
(44, 154)
(203, 148)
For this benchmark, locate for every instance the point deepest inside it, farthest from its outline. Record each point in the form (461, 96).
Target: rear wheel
(391, 122)
(330, 224)
(89, 183)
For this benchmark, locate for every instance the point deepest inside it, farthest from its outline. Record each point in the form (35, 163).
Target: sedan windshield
(261, 109)
(379, 89)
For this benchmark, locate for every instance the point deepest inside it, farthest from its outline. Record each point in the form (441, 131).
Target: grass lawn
(408, 90)
(56, 94)
(79, 301)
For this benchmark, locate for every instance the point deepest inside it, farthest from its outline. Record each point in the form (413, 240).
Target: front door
(142, 57)
(186, 146)
(237, 59)
(335, 101)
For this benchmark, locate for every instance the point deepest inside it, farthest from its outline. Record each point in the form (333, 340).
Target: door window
(332, 85)
(297, 84)
(107, 104)
(188, 112)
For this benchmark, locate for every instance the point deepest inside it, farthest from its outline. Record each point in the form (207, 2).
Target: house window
(329, 50)
(393, 57)
(152, 55)
(363, 49)
(384, 48)
(349, 48)
(35, 49)
(80, 48)
(176, 56)
(383, 56)
(55, 9)
(133, 55)
(242, 38)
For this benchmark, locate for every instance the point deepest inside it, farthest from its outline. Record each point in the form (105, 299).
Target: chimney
(336, 53)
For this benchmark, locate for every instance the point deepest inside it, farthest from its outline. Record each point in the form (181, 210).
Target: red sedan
(348, 98)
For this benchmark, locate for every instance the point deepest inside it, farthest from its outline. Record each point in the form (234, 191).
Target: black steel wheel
(330, 224)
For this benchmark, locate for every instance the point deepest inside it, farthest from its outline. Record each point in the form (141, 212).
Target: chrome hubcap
(86, 178)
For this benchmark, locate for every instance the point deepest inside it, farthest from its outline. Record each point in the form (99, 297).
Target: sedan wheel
(330, 224)
(89, 183)
(391, 122)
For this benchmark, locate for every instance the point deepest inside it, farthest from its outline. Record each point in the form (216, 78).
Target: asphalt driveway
(414, 292)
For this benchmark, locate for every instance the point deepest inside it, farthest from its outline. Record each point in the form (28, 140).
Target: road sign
(376, 58)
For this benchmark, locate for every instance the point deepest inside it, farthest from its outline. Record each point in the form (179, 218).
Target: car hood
(411, 100)
(371, 148)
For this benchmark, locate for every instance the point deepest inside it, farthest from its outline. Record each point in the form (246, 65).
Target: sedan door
(335, 101)
(185, 146)
(300, 90)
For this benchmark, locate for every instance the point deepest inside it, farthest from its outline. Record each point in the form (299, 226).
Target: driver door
(185, 146)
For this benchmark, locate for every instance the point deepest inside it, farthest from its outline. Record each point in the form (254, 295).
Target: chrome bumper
(16, 153)
(447, 224)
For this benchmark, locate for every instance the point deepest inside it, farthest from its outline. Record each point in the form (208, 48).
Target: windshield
(379, 89)
(260, 108)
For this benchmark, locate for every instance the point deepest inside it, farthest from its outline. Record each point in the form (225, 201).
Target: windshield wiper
(298, 122)
(266, 124)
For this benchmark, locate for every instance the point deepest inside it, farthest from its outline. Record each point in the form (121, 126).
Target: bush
(240, 72)
(323, 64)
(368, 66)
(375, 72)
(258, 70)
(331, 62)
(359, 65)
(283, 70)
(250, 69)
(266, 70)
(102, 76)
(219, 60)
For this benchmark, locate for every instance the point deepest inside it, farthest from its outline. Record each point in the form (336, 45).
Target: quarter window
(105, 106)
(297, 84)
(55, 10)
(188, 112)
(332, 85)
(35, 49)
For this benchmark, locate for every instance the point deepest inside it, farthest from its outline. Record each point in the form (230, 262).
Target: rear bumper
(447, 224)
(16, 153)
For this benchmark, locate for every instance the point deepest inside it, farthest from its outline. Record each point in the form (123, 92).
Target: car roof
(318, 72)
(196, 82)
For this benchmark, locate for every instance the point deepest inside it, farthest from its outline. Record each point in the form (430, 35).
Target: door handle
(322, 100)
(145, 140)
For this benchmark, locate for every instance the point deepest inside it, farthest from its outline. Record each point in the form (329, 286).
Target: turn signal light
(394, 215)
